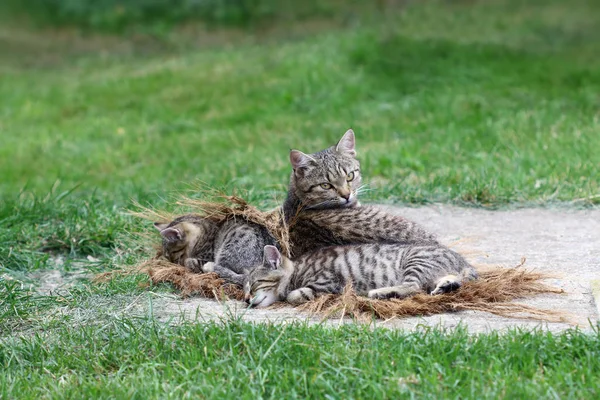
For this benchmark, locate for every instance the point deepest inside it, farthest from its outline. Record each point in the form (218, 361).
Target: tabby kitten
(322, 206)
(329, 178)
(378, 271)
(228, 248)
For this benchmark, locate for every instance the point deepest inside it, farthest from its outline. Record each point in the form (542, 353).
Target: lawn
(487, 104)
(142, 359)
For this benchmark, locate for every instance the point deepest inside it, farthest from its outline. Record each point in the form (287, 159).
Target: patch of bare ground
(52, 281)
(553, 292)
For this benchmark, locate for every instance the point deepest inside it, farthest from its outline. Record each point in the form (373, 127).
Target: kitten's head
(262, 282)
(329, 178)
(182, 234)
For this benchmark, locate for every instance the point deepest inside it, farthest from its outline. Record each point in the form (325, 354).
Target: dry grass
(205, 285)
(218, 207)
(493, 292)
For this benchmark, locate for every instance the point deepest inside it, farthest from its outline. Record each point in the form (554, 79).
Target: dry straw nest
(493, 292)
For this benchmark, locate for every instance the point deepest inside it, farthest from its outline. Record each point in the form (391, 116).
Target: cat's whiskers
(362, 189)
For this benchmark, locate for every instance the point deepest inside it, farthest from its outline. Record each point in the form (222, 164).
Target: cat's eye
(326, 186)
(350, 176)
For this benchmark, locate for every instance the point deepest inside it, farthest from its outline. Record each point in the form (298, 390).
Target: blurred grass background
(484, 103)
(490, 103)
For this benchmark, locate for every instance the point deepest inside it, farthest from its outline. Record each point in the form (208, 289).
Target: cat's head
(261, 284)
(329, 178)
(182, 234)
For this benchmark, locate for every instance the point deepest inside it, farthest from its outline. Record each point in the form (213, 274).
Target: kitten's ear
(272, 256)
(161, 225)
(298, 159)
(171, 234)
(346, 143)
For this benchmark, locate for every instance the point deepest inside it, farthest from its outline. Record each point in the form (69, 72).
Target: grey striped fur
(329, 178)
(379, 271)
(313, 229)
(229, 248)
(319, 217)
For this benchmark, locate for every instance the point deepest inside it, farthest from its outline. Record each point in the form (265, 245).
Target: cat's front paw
(208, 267)
(192, 264)
(300, 296)
(381, 294)
(393, 292)
(446, 284)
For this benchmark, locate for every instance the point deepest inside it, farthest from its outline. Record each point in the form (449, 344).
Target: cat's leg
(398, 292)
(224, 273)
(193, 264)
(300, 296)
(208, 267)
(446, 284)
(450, 283)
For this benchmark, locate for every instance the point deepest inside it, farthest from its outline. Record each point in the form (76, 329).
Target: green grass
(490, 119)
(492, 104)
(437, 118)
(142, 359)
(475, 103)
(160, 16)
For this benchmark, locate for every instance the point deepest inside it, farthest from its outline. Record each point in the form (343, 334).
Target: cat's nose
(247, 298)
(345, 195)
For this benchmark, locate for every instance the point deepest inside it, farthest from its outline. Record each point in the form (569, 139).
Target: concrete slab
(563, 242)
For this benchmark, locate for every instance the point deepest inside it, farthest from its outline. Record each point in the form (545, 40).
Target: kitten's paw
(382, 294)
(208, 267)
(446, 284)
(300, 296)
(192, 264)
(394, 292)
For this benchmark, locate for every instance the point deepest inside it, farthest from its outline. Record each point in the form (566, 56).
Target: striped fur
(313, 229)
(379, 271)
(230, 248)
(319, 217)
(327, 179)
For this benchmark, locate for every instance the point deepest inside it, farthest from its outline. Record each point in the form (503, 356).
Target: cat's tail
(449, 283)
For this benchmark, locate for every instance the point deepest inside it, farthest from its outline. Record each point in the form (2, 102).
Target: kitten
(378, 271)
(229, 248)
(329, 178)
(322, 206)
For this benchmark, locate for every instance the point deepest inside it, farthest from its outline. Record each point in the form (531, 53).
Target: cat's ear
(299, 160)
(161, 225)
(171, 234)
(347, 143)
(272, 256)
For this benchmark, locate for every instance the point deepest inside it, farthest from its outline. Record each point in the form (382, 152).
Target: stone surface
(563, 242)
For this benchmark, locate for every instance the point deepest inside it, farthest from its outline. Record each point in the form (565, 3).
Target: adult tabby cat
(378, 271)
(329, 178)
(227, 248)
(322, 207)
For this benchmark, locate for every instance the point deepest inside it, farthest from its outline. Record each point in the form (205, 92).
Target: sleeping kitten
(378, 271)
(329, 178)
(228, 248)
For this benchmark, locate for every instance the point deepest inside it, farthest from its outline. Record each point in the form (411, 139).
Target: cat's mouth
(349, 202)
(256, 300)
